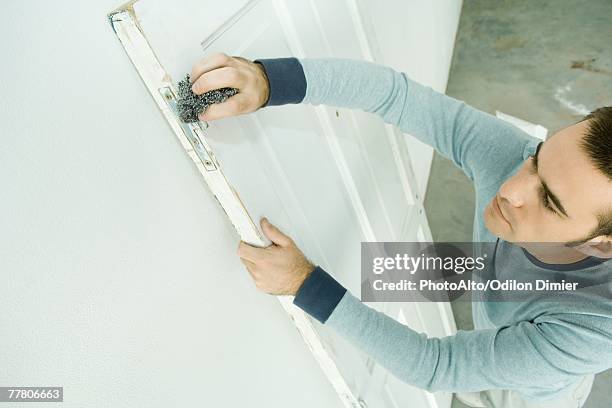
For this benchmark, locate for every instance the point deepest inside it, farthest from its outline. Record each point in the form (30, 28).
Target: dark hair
(597, 143)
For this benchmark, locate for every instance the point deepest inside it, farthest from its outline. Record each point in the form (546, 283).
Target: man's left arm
(544, 351)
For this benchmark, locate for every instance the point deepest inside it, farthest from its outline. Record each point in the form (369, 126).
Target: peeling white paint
(577, 108)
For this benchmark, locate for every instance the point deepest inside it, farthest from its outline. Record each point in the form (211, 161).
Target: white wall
(119, 279)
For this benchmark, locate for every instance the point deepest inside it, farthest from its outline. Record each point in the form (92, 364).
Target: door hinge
(194, 132)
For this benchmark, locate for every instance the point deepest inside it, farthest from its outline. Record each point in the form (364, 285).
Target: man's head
(563, 193)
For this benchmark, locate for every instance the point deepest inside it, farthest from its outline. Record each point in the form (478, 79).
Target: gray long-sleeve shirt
(537, 348)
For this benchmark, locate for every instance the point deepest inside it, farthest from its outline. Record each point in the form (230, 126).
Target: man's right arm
(484, 147)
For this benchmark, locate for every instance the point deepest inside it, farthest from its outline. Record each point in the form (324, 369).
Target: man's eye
(546, 201)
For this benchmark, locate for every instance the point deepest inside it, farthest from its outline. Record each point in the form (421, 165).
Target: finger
(274, 234)
(232, 107)
(219, 78)
(251, 253)
(209, 63)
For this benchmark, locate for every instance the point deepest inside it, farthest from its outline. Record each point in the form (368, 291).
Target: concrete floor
(545, 61)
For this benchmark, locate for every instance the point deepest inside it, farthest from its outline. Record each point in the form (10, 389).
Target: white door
(329, 177)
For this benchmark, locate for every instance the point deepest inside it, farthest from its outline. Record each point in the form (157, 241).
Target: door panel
(419, 43)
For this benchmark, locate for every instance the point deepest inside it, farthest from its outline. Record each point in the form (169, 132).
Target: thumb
(274, 234)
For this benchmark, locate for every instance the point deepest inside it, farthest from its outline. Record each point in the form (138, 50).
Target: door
(329, 177)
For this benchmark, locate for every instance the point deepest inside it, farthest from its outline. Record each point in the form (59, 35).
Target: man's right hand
(221, 71)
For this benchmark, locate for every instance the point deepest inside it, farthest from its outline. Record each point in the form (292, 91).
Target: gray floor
(543, 61)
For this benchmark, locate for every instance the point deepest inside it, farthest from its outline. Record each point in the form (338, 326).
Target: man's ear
(600, 247)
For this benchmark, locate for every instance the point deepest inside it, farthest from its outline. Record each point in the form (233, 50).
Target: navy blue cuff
(286, 79)
(319, 295)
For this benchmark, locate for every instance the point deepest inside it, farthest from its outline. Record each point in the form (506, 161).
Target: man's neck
(550, 253)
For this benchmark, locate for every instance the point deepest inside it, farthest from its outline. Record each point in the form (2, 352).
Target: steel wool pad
(190, 105)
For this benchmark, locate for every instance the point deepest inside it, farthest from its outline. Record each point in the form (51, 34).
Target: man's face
(552, 198)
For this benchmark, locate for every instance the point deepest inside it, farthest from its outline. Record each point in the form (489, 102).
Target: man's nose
(518, 188)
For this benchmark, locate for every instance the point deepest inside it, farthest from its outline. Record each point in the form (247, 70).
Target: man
(558, 192)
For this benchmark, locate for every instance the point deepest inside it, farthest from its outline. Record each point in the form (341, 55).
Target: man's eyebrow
(547, 191)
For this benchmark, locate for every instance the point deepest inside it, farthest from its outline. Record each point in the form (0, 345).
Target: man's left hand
(279, 269)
